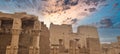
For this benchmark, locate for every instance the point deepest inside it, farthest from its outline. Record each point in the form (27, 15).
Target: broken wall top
(21, 15)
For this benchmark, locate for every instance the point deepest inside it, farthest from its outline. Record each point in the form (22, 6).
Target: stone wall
(79, 39)
(5, 34)
(44, 40)
(93, 45)
(62, 32)
(87, 32)
(4, 42)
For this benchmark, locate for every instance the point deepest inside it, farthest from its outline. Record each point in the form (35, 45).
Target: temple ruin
(85, 41)
(21, 33)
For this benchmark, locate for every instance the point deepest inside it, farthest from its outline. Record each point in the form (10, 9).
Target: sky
(109, 15)
(104, 14)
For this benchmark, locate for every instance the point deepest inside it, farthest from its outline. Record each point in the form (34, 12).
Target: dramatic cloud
(92, 9)
(115, 5)
(53, 11)
(59, 11)
(106, 22)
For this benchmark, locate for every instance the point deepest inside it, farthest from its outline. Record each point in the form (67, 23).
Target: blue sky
(106, 17)
(110, 11)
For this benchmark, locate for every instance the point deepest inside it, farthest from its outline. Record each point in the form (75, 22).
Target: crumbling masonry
(21, 33)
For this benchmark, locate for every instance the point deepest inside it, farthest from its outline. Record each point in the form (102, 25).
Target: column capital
(36, 32)
(16, 28)
(37, 28)
(16, 31)
(37, 25)
(17, 23)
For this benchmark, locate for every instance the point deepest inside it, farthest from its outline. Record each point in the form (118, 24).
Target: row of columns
(16, 31)
(59, 48)
(73, 49)
(55, 50)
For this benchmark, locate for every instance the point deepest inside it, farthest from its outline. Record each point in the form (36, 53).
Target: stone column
(73, 47)
(118, 39)
(61, 46)
(16, 30)
(34, 49)
(0, 24)
(55, 50)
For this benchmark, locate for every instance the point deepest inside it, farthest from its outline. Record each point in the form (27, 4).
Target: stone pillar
(0, 24)
(93, 45)
(34, 49)
(55, 50)
(118, 38)
(16, 30)
(73, 47)
(61, 46)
